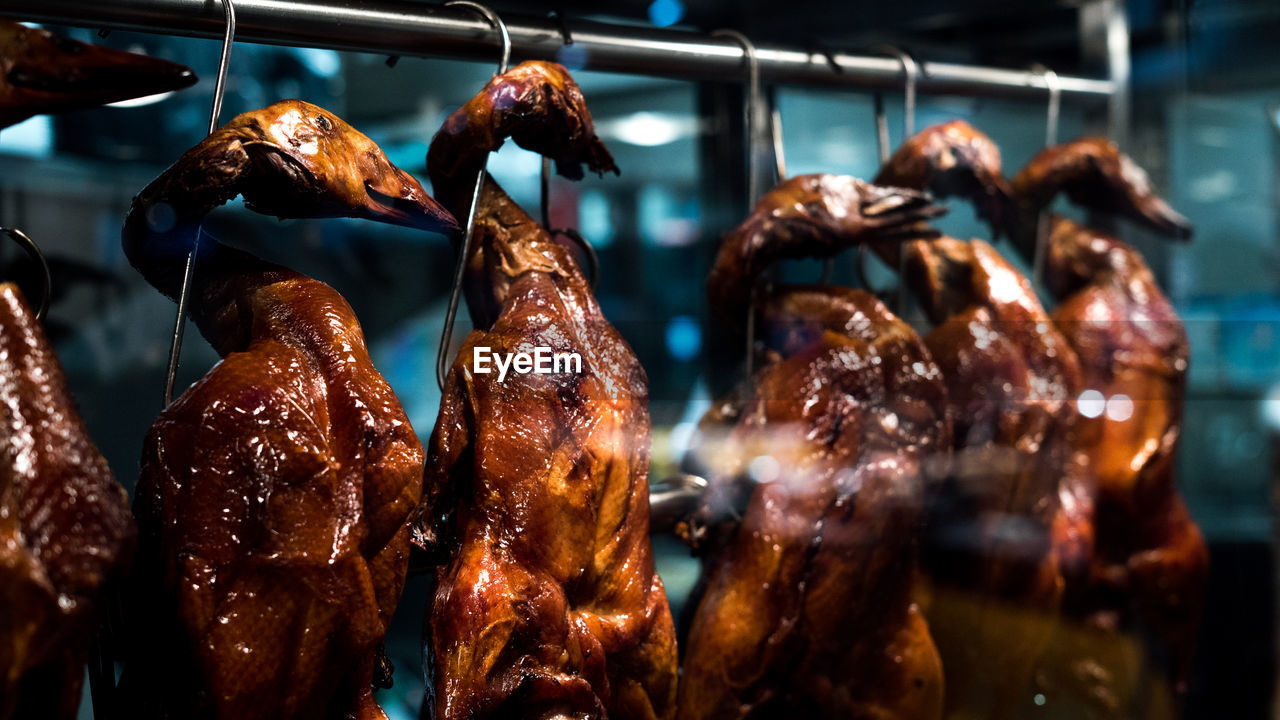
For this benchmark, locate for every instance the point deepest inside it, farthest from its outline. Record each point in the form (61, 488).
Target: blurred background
(1203, 117)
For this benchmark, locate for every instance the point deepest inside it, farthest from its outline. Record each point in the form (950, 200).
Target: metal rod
(188, 270)
(403, 27)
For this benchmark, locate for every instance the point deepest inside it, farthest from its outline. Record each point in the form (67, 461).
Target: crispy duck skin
(276, 492)
(1151, 561)
(65, 527)
(41, 72)
(808, 603)
(1095, 174)
(953, 159)
(809, 216)
(1012, 517)
(536, 501)
(1014, 520)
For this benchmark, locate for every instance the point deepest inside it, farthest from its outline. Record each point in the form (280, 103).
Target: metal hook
(562, 26)
(750, 109)
(593, 260)
(911, 77)
(911, 74)
(46, 278)
(188, 272)
(492, 18)
(455, 292)
(775, 130)
(780, 169)
(753, 187)
(545, 172)
(1054, 87)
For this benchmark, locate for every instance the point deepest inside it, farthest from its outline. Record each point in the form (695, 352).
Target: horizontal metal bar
(399, 27)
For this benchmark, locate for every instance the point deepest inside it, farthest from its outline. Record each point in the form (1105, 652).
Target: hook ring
(593, 260)
(492, 18)
(754, 101)
(1053, 84)
(46, 278)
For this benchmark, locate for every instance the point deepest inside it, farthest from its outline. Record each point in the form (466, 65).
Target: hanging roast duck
(41, 72)
(1150, 562)
(65, 527)
(807, 609)
(536, 501)
(1012, 517)
(276, 491)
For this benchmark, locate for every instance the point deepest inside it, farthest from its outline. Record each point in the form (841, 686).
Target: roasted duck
(536, 501)
(45, 73)
(954, 159)
(65, 528)
(276, 492)
(808, 608)
(1094, 174)
(1012, 518)
(1150, 562)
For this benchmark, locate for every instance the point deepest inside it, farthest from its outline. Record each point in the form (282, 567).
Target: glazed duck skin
(1095, 174)
(1009, 521)
(45, 73)
(65, 527)
(807, 608)
(1132, 343)
(810, 216)
(1151, 563)
(535, 502)
(1014, 519)
(953, 159)
(276, 491)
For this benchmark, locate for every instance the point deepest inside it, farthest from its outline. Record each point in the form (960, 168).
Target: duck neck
(161, 232)
(506, 244)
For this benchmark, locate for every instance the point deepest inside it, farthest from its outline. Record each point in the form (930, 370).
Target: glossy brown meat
(275, 492)
(45, 73)
(809, 216)
(1094, 173)
(1151, 562)
(65, 528)
(1000, 532)
(808, 608)
(953, 159)
(536, 502)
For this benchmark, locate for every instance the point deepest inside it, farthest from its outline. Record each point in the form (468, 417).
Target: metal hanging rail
(400, 27)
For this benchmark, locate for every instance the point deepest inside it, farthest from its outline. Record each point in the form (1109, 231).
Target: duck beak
(1162, 218)
(898, 214)
(394, 196)
(48, 73)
